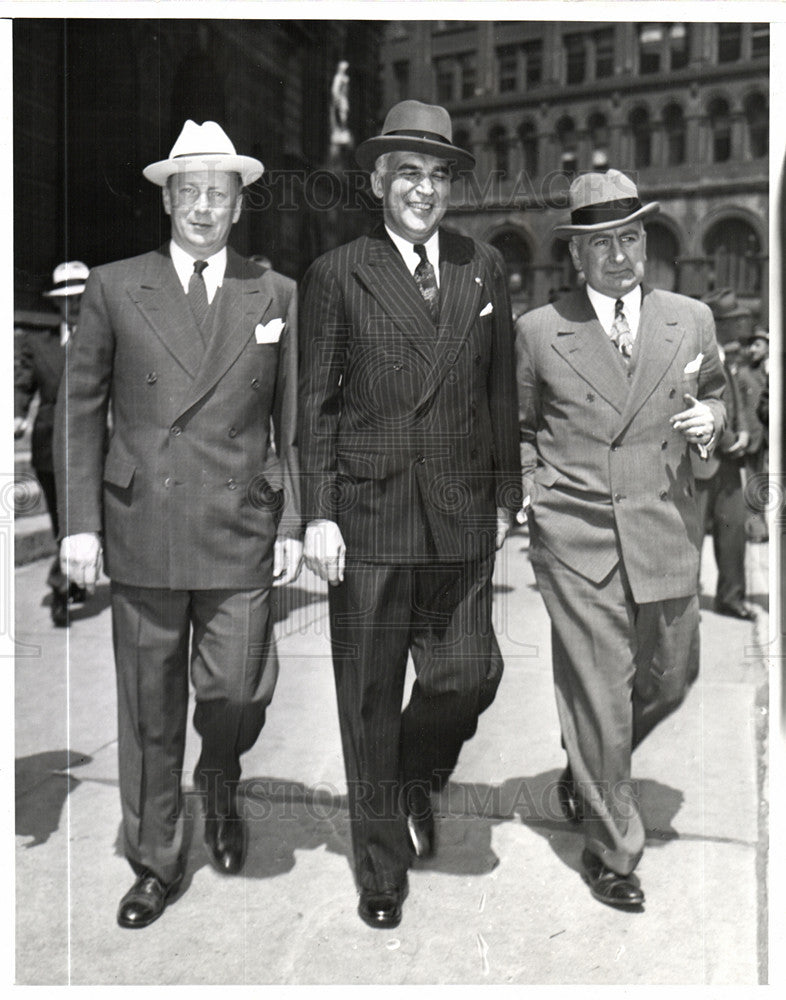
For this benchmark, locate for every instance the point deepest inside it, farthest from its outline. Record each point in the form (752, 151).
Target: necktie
(197, 293)
(620, 331)
(426, 281)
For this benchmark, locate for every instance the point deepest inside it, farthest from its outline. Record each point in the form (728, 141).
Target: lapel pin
(478, 280)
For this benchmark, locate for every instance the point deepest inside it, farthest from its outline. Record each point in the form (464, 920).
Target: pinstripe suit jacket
(407, 428)
(606, 473)
(185, 493)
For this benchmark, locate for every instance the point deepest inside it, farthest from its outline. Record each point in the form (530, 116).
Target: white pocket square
(269, 333)
(487, 310)
(693, 366)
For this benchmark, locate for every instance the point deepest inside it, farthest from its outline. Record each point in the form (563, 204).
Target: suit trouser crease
(441, 615)
(233, 668)
(619, 669)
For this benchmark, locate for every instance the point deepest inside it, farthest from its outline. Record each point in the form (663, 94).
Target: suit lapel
(460, 288)
(160, 298)
(658, 338)
(585, 346)
(385, 276)
(240, 305)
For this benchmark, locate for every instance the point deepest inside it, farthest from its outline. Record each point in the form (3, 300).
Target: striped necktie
(197, 293)
(426, 281)
(620, 331)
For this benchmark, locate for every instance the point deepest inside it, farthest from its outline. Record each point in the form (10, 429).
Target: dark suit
(615, 532)
(408, 441)
(189, 498)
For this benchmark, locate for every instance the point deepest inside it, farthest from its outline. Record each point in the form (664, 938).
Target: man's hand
(20, 426)
(81, 560)
(696, 423)
(324, 551)
(740, 445)
(287, 559)
(503, 527)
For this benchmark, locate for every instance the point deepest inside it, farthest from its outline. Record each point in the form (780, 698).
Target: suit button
(232, 432)
(176, 430)
(619, 497)
(421, 460)
(615, 447)
(590, 397)
(663, 495)
(151, 378)
(664, 445)
(397, 366)
(231, 484)
(672, 393)
(254, 383)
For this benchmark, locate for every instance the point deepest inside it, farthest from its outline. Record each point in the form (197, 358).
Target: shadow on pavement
(94, 605)
(43, 782)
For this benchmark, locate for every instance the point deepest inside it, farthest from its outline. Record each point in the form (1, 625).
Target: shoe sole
(617, 904)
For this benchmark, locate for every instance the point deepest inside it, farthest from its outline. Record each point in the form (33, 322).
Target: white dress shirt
(213, 273)
(604, 308)
(411, 259)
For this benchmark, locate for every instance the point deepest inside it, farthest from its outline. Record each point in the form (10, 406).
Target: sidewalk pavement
(501, 903)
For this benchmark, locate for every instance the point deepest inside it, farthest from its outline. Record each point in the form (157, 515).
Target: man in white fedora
(618, 383)
(192, 508)
(409, 449)
(39, 359)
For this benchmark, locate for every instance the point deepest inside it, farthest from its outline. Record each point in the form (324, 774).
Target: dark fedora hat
(413, 127)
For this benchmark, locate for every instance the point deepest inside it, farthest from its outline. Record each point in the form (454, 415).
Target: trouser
(441, 614)
(56, 579)
(233, 668)
(619, 669)
(720, 501)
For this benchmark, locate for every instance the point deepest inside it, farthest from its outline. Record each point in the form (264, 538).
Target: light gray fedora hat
(414, 127)
(603, 201)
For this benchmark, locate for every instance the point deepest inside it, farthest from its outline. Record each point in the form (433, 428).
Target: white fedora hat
(603, 201)
(68, 279)
(203, 147)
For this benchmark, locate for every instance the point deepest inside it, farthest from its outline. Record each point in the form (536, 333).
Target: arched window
(674, 125)
(642, 140)
(528, 137)
(757, 119)
(733, 250)
(461, 138)
(564, 276)
(598, 129)
(662, 250)
(518, 264)
(566, 136)
(720, 130)
(498, 144)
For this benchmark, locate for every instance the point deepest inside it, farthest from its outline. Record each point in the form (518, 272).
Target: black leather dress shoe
(225, 839)
(146, 900)
(59, 609)
(608, 887)
(381, 908)
(568, 797)
(739, 610)
(420, 822)
(77, 594)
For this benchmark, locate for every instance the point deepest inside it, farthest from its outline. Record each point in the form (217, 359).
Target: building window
(662, 251)
(650, 45)
(462, 139)
(598, 129)
(674, 126)
(443, 72)
(498, 144)
(758, 122)
(507, 69)
(528, 137)
(760, 40)
(734, 254)
(642, 137)
(720, 130)
(575, 58)
(729, 42)
(533, 63)
(401, 76)
(468, 71)
(566, 136)
(679, 45)
(604, 53)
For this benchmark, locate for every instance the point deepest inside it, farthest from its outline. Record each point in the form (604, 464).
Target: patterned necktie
(620, 331)
(426, 281)
(197, 293)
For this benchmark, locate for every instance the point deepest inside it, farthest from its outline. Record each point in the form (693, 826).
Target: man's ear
(377, 183)
(574, 253)
(166, 197)
(238, 208)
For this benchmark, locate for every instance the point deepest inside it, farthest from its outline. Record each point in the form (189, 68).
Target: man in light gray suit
(194, 349)
(617, 384)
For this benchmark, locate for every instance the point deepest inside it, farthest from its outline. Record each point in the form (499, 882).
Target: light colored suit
(615, 530)
(189, 494)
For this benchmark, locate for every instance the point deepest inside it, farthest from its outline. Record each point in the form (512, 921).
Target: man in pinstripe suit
(617, 383)
(408, 445)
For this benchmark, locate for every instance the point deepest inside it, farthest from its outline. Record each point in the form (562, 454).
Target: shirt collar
(604, 307)
(411, 259)
(213, 273)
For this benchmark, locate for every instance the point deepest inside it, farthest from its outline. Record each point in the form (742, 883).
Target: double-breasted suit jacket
(189, 493)
(606, 473)
(408, 427)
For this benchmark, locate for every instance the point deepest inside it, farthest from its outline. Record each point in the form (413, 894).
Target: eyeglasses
(189, 195)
